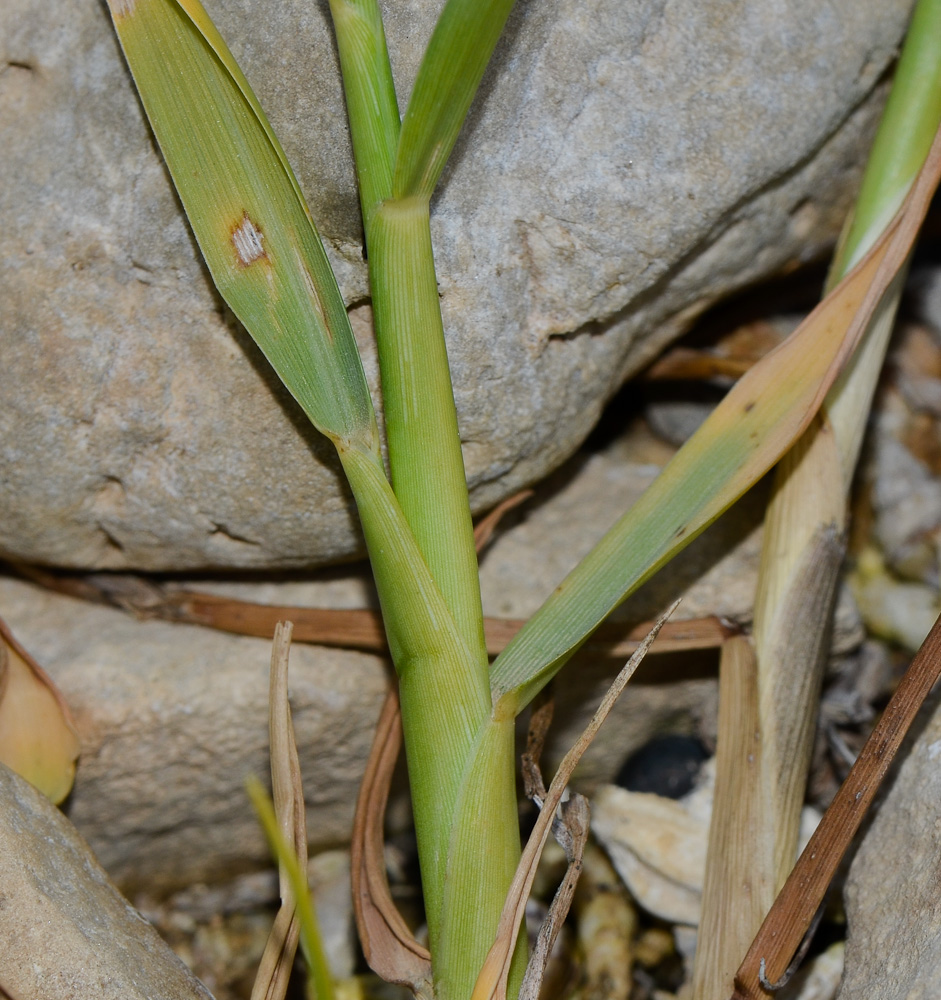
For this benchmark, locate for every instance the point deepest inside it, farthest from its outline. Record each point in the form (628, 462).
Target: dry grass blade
(37, 736)
(791, 915)
(277, 960)
(570, 830)
(802, 553)
(540, 719)
(345, 628)
(351, 628)
(271, 981)
(576, 815)
(388, 945)
(362, 628)
(492, 981)
(738, 890)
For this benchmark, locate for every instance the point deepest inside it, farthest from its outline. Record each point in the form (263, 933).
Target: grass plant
(266, 258)
(753, 848)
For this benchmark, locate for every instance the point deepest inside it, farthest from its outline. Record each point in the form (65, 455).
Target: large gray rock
(626, 165)
(66, 931)
(893, 893)
(172, 720)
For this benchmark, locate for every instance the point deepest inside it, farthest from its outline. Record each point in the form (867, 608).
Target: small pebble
(666, 765)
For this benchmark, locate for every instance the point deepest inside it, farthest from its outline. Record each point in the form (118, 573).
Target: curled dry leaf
(388, 945)
(37, 736)
(492, 981)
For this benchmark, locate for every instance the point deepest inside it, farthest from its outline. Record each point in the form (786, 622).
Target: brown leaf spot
(122, 8)
(248, 240)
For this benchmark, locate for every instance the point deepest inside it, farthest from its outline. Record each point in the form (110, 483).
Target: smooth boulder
(624, 166)
(66, 930)
(893, 892)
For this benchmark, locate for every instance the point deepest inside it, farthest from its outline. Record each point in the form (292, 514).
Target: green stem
(482, 859)
(444, 701)
(421, 421)
(419, 531)
(908, 125)
(370, 98)
(911, 117)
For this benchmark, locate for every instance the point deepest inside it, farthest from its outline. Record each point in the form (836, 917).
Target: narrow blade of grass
(759, 419)
(311, 940)
(908, 122)
(246, 209)
(457, 55)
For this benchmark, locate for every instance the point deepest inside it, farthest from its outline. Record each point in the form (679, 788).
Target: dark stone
(667, 765)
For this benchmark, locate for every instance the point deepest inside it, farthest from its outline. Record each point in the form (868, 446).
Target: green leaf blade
(450, 73)
(753, 426)
(246, 210)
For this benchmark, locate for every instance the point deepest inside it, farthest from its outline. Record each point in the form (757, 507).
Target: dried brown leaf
(388, 945)
(347, 628)
(575, 820)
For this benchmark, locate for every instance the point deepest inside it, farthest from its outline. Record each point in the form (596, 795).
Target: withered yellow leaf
(37, 736)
